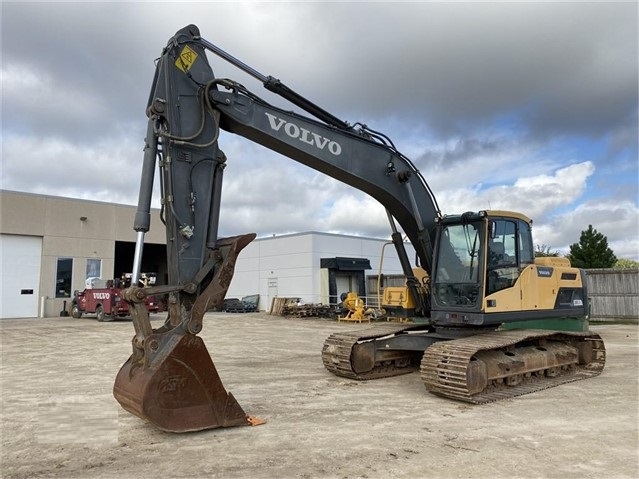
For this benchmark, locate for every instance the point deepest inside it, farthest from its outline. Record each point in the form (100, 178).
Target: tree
(542, 250)
(592, 251)
(625, 263)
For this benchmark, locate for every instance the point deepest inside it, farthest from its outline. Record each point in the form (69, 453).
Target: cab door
(510, 252)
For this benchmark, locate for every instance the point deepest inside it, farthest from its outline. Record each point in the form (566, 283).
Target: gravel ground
(59, 418)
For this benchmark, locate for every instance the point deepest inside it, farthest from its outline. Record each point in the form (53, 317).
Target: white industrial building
(50, 245)
(315, 267)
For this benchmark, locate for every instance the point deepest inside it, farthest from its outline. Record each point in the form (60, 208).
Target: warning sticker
(186, 59)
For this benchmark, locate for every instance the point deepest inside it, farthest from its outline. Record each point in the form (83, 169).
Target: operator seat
(496, 254)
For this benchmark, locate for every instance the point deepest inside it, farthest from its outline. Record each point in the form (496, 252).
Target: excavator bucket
(178, 389)
(170, 379)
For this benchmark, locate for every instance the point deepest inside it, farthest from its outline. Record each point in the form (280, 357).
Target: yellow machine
(397, 302)
(357, 310)
(482, 274)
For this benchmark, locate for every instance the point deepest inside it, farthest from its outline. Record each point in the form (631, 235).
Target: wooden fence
(614, 294)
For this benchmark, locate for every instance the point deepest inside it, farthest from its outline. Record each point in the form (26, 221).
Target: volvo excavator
(479, 278)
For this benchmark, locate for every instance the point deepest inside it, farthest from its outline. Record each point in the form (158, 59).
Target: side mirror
(492, 228)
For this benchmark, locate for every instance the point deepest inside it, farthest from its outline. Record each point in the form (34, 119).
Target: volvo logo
(304, 135)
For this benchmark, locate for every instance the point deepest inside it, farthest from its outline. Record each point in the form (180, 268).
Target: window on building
(94, 268)
(63, 278)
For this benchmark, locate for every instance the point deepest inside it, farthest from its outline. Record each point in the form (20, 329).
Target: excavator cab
(485, 273)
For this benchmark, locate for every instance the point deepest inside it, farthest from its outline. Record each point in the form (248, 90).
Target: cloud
(540, 194)
(453, 63)
(351, 212)
(100, 171)
(618, 221)
(271, 194)
(534, 196)
(43, 105)
(527, 106)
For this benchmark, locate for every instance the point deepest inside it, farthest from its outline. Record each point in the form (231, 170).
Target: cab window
(502, 265)
(526, 250)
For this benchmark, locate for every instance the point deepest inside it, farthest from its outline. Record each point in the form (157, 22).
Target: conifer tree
(592, 251)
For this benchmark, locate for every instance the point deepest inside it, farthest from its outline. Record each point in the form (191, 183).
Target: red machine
(104, 298)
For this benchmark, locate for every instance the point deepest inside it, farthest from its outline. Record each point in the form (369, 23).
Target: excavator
(479, 287)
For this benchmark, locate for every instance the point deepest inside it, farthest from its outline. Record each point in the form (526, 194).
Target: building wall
(286, 265)
(292, 262)
(283, 259)
(65, 235)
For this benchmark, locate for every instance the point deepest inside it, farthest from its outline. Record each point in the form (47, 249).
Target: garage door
(20, 278)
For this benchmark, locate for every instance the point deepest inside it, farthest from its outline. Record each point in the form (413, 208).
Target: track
(338, 348)
(447, 368)
(478, 369)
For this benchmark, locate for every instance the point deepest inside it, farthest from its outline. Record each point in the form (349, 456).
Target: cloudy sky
(515, 105)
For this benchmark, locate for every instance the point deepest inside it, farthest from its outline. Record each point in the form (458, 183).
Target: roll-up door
(20, 277)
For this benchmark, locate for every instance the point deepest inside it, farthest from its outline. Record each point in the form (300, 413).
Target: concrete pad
(59, 418)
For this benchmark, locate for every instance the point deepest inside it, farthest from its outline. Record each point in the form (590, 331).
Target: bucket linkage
(170, 379)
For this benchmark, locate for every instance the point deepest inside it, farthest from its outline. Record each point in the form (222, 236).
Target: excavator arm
(188, 106)
(186, 109)
(353, 157)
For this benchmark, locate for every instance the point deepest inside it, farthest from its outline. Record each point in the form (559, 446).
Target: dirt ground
(59, 418)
